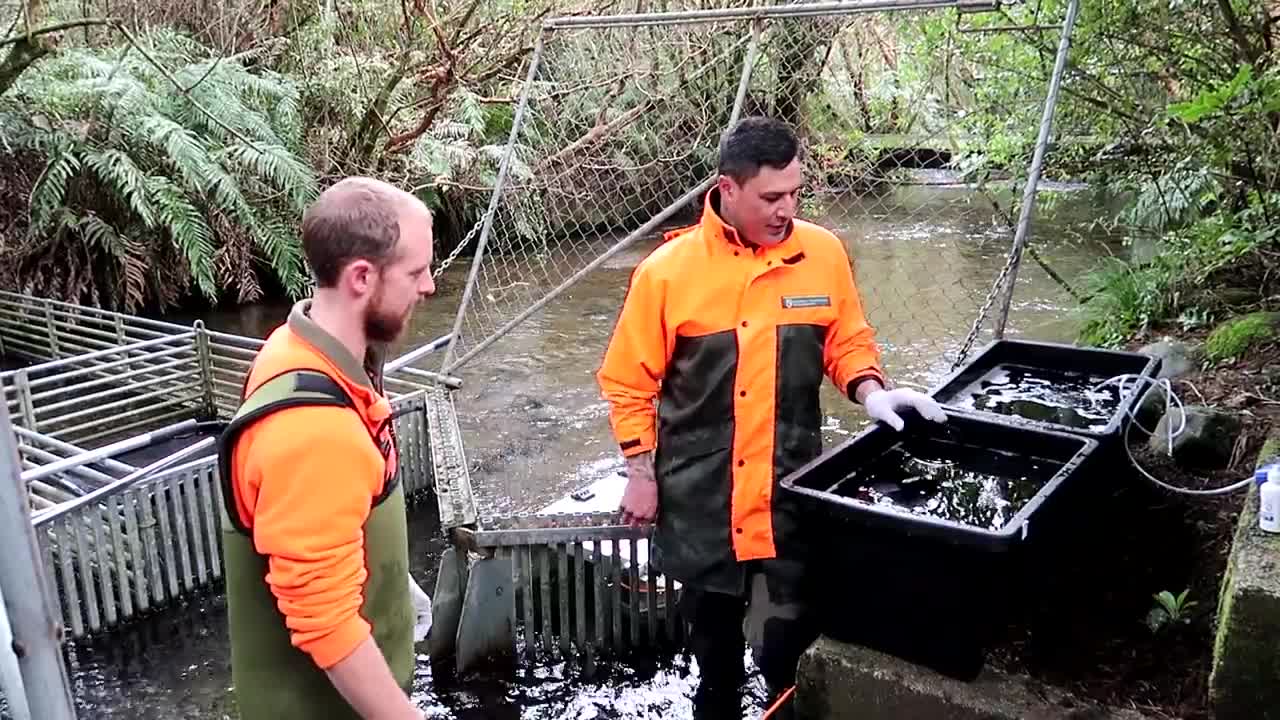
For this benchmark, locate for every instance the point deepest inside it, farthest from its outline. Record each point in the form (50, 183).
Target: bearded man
(319, 605)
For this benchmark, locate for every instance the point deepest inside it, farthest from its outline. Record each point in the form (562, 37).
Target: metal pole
(847, 7)
(748, 67)
(474, 274)
(92, 456)
(204, 359)
(618, 247)
(10, 674)
(415, 354)
(448, 381)
(35, 439)
(97, 354)
(37, 634)
(1037, 161)
(122, 484)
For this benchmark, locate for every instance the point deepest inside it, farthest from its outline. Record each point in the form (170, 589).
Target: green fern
(135, 170)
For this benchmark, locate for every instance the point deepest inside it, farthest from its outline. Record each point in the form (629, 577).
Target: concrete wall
(837, 681)
(1246, 659)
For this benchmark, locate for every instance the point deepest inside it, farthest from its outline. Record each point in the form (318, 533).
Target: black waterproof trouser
(773, 620)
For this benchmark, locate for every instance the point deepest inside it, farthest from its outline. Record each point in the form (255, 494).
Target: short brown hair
(356, 218)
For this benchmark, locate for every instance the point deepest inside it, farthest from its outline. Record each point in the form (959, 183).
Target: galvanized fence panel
(138, 548)
(158, 541)
(98, 376)
(584, 592)
(41, 329)
(109, 393)
(45, 329)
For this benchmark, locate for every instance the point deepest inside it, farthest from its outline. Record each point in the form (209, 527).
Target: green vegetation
(212, 173)
(1170, 609)
(1193, 145)
(1233, 338)
(159, 153)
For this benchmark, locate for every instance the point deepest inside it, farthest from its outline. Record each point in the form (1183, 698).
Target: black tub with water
(1051, 386)
(1060, 387)
(921, 536)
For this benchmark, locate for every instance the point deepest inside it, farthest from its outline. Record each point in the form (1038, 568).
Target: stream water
(535, 429)
(939, 479)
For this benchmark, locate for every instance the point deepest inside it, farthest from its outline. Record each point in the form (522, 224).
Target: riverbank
(1110, 639)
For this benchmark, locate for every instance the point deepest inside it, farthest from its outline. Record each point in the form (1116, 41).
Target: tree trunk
(800, 55)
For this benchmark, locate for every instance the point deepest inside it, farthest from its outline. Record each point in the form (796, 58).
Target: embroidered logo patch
(805, 301)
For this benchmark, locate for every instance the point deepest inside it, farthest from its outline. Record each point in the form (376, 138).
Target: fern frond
(50, 190)
(227, 105)
(225, 194)
(279, 168)
(472, 113)
(122, 176)
(235, 260)
(98, 234)
(135, 263)
(166, 43)
(451, 129)
(187, 229)
(181, 149)
(282, 248)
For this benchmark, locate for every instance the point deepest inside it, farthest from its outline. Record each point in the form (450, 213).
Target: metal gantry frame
(562, 558)
(572, 583)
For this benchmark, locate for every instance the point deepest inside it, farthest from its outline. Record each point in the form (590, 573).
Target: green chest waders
(273, 680)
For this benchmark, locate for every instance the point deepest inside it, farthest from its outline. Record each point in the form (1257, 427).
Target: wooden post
(37, 634)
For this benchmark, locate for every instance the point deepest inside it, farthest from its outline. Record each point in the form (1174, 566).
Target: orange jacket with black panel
(733, 342)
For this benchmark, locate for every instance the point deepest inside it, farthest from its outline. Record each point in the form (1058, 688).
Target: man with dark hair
(730, 325)
(319, 598)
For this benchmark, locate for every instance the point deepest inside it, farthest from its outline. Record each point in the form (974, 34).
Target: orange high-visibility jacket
(733, 343)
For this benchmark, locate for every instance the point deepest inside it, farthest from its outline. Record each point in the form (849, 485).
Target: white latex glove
(883, 405)
(422, 605)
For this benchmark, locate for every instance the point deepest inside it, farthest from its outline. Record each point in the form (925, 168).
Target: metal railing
(103, 394)
(33, 672)
(117, 541)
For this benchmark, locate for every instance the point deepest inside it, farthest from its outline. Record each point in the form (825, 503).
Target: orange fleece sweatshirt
(305, 480)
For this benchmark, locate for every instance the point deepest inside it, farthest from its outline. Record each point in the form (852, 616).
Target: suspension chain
(1009, 264)
(457, 250)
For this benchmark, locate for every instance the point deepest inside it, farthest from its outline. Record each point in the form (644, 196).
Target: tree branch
(21, 56)
(595, 134)
(57, 27)
(1247, 51)
(178, 86)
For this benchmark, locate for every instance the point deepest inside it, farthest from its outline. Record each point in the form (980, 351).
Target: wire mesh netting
(916, 151)
(620, 130)
(620, 125)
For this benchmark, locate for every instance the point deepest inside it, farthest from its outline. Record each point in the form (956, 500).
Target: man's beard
(382, 326)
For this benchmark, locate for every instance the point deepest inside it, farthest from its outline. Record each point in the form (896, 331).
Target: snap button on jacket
(732, 341)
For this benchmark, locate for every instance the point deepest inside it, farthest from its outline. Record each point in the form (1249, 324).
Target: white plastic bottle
(1269, 517)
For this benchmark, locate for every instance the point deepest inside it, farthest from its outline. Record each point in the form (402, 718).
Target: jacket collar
(367, 374)
(715, 227)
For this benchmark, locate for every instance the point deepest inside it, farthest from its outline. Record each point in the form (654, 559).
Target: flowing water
(535, 429)
(944, 480)
(1067, 398)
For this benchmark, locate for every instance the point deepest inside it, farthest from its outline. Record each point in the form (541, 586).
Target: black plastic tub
(1050, 386)
(930, 580)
